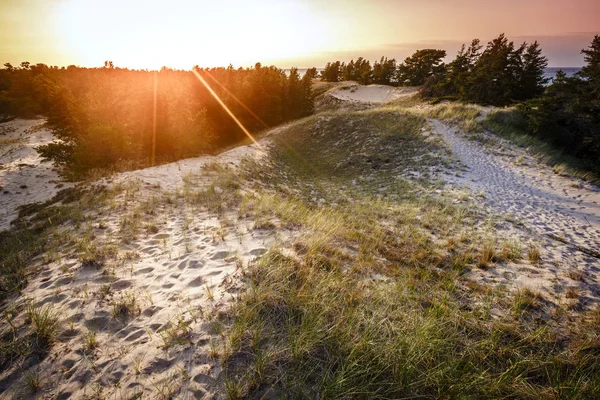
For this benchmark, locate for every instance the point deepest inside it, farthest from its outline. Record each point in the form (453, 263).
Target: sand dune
(561, 212)
(146, 321)
(371, 93)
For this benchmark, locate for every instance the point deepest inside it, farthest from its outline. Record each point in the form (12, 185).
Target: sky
(304, 33)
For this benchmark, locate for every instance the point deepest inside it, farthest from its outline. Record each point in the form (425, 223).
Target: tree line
(500, 74)
(105, 116)
(565, 112)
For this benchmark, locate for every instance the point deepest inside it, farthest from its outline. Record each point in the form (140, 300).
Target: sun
(180, 34)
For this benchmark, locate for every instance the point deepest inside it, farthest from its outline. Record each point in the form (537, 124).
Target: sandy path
(24, 177)
(545, 202)
(560, 214)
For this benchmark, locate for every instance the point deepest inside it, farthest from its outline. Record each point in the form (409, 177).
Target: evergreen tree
(312, 73)
(591, 71)
(384, 71)
(532, 81)
(493, 80)
(332, 72)
(349, 72)
(420, 66)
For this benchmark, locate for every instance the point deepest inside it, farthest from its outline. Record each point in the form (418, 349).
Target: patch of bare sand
(371, 93)
(24, 177)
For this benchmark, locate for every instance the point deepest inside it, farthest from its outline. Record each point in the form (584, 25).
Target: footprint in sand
(219, 255)
(198, 281)
(143, 271)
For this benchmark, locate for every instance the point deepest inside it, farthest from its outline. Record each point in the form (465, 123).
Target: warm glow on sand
(149, 34)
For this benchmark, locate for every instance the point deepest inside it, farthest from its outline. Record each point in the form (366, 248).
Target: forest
(564, 113)
(107, 117)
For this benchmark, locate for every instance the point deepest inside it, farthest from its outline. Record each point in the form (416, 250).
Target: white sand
(371, 93)
(171, 176)
(24, 178)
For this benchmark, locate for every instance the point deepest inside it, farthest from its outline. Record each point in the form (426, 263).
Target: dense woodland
(104, 116)
(564, 113)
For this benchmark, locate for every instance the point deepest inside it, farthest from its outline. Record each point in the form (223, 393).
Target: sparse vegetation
(89, 341)
(44, 320)
(125, 305)
(534, 254)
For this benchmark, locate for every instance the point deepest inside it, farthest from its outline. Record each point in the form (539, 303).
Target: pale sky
(303, 33)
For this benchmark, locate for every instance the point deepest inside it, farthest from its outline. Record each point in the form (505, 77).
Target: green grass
(312, 331)
(44, 322)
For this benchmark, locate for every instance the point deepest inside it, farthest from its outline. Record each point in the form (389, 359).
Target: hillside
(381, 248)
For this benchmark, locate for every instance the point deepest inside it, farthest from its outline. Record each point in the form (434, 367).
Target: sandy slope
(24, 178)
(370, 94)
(180, 275)
(561, 212)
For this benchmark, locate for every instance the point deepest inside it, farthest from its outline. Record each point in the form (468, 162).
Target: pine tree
(421, 65)
(532, 81)
(383, 71)
(591, 71)
(332, 72)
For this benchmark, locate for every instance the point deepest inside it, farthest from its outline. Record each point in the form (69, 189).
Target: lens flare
(236, 99)
(227, 110)
(154, 119)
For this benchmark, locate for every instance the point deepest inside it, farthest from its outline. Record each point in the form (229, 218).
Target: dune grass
(35, 232)
(372, 300)
(461, 115)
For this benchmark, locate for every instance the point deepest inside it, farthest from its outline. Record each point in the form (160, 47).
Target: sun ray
(236, 99)
(227, 110)
(154, 118)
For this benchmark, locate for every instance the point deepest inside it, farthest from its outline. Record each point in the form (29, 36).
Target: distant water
(550, 73)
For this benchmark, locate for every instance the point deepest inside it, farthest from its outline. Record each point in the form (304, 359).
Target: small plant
(90, 341)
(233, 389)
(487, 255)
(572, 293)
(32, 380)
(71, 325)
(165, 388)
(176, 333)
(525, 299)
(137, 367)
(534, 254)
(45, 324)
(209, 292)
(104, 291)
(577, 275)
(152, 228)
(125, 306)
